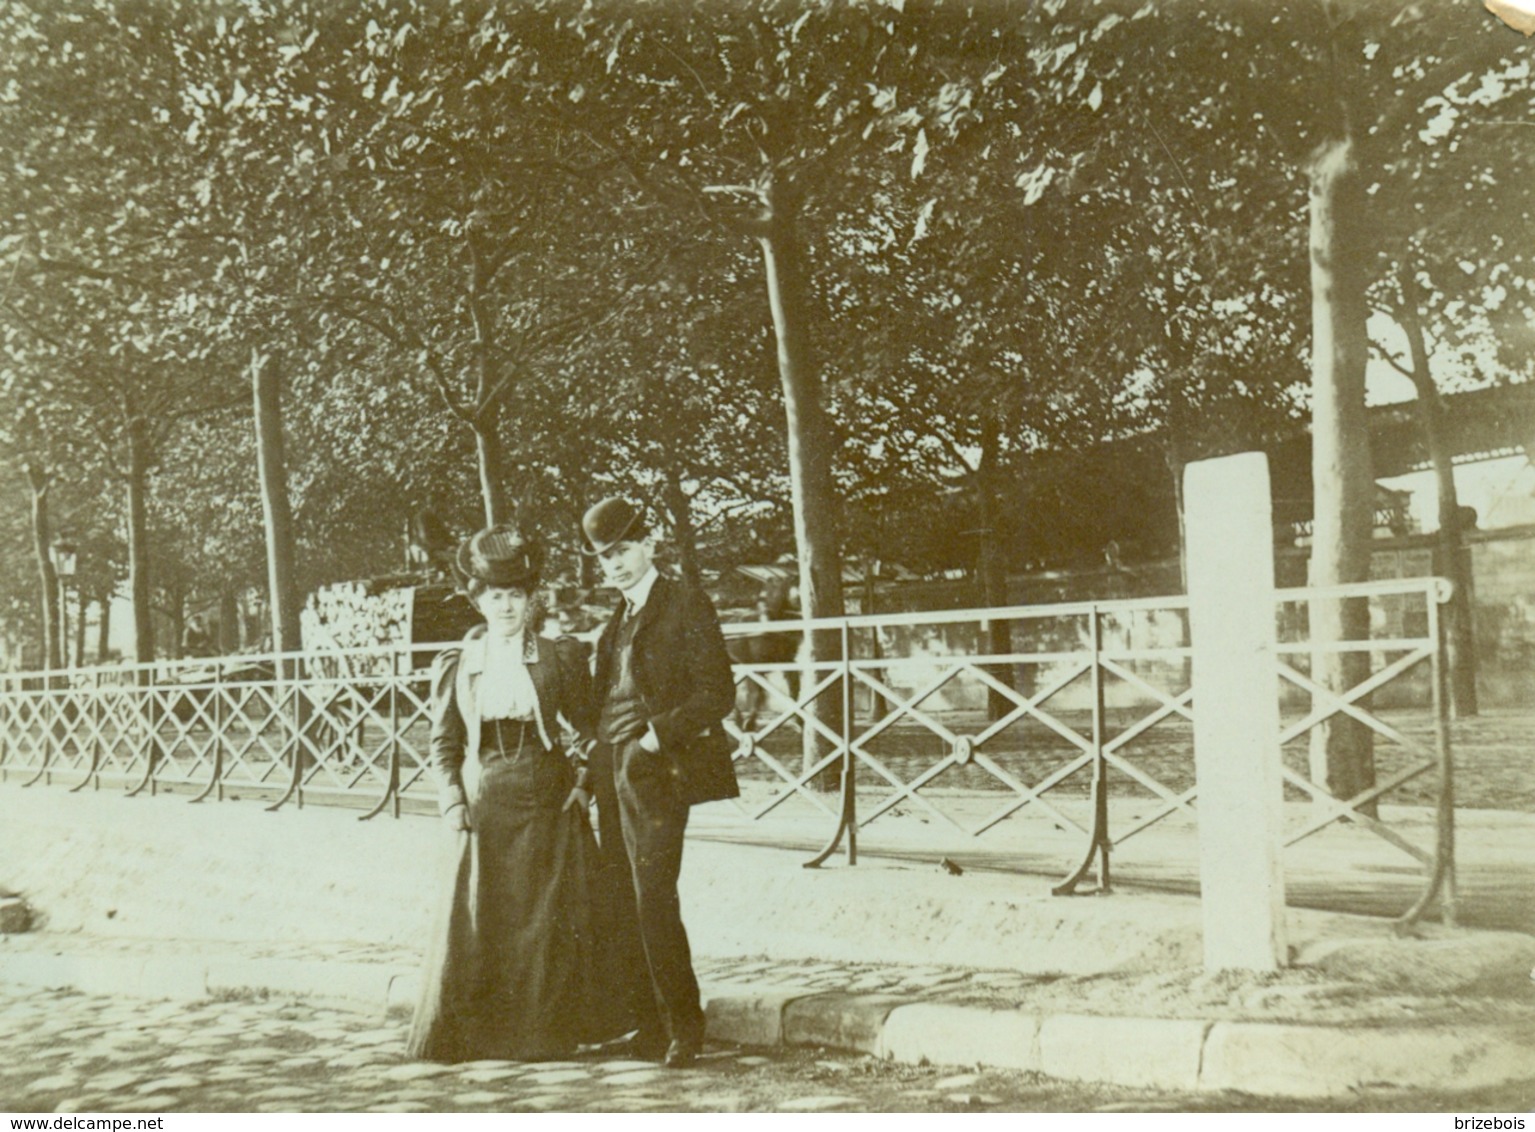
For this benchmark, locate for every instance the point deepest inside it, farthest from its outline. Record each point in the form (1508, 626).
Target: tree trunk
(104, 628)
(684, 537)
(138, 539)
(282, 601)
(48, 580)
(250, 619)
(992, 566)
(80, 628)
(178, 615)
(1172, 458)
(266, 384)
(879, 706)
(993, 561)
(1450, 559)
(491, 454)
(816, 506)
(229, 622)
(487, 416)
(1342, 757)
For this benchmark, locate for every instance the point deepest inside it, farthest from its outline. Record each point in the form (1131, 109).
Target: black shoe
(638, 1046)
(682, 1052)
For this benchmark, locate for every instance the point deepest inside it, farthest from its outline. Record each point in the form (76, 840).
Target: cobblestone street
(67, 1052)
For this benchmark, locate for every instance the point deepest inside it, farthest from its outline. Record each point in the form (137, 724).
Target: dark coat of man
(684, 678)
(679, 673)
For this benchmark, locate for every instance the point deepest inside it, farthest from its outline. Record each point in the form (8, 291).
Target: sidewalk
(1268, 1037)
(894, 957)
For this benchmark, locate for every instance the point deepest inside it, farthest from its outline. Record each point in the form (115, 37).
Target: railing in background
(1408, 645)
(297, 726)
(1017, 727)
(1082, 704)
(967, 719)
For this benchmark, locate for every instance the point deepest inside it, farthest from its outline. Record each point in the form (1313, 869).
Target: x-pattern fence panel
(972, 717)
(966, 719)
(304, 725)
(1349, 684)
(781, 755)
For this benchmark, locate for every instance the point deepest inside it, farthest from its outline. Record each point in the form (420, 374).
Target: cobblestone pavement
(365, 969)
(67, 1052)
(932, 982)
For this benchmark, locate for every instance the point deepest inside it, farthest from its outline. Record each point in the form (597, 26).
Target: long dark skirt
(515, 967)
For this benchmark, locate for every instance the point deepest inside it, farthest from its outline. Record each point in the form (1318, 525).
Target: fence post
(848, 778)
(847, 816)
(1444, 701)
(1099, 843)
(1236, 711)
(1441, 878)
(87, 717)
(392, 786)
(215, 785)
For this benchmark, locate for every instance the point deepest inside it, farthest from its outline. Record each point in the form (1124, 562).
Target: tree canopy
(859, 279)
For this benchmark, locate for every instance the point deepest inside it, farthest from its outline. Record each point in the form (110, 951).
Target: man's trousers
(637, 797)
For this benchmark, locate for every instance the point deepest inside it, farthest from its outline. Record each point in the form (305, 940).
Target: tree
(444, 218)
(98, 290)
(1450, 280)
(678, 403)
(744, 119)
(273, 222)
(1385, 68)
(1349, 91)
(1056, 284)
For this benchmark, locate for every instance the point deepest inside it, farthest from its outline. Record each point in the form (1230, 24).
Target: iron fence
(1054, 711)
(1075, 716)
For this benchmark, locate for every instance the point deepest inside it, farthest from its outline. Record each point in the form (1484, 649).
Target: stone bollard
(1236, 711)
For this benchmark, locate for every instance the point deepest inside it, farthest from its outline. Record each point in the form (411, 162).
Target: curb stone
(942, 1033)
(107, 974)
(839, 1020)
(1267, 1057)
(749, 1015)
(1257, 1058)
(1159, 1052)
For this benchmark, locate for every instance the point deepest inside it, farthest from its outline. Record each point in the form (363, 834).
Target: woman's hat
(611, 522)
(501, 556)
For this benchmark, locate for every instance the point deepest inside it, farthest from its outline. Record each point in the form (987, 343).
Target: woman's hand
(458, 819)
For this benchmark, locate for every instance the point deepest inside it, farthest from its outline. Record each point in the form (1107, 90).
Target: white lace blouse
(506, 688)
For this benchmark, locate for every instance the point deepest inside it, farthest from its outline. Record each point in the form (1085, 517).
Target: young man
(663, 685)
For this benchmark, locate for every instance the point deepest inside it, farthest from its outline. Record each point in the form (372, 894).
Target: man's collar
(637, 594)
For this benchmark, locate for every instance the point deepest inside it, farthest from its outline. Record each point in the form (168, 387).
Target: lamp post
(64, 559)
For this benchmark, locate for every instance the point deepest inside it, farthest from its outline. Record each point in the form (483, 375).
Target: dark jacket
(685, 681)
(560, 679)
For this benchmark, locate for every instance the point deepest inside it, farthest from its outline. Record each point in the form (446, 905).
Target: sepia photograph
(767, 556)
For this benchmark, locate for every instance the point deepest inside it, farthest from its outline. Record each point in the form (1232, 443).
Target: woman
(512, 971)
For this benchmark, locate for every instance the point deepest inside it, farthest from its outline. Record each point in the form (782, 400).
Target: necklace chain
(522, 737)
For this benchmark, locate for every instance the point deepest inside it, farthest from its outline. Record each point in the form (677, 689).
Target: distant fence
(967, 719)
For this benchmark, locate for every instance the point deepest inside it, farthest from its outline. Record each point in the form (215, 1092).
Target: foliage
(507, 250)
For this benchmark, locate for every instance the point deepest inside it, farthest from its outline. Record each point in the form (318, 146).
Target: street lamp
(64, 557)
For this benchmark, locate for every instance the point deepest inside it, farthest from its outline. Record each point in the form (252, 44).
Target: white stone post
(1230, 549)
